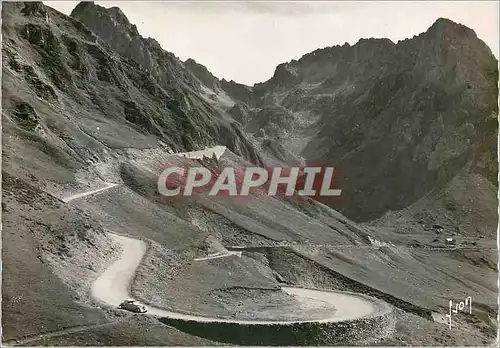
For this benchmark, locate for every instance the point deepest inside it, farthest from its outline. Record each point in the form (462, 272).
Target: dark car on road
(133, 306)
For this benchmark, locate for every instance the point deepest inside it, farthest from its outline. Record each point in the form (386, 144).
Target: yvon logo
(289, 181)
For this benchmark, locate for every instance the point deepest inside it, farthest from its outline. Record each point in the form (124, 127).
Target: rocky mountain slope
(417, 112)
(149, 90)
(87, 101)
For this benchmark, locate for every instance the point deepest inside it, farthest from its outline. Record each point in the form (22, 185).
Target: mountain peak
(445, 27)
(442, 21)
(35, 9)
(202, 74)
(83, 6)
(113, 14)
(114, 28)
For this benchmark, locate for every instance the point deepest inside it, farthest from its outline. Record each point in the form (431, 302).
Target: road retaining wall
(351, 332)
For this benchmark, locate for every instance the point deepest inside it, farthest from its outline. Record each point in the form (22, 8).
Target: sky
(245, 41)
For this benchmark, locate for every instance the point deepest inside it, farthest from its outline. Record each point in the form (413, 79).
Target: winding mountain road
(88, 193)
(218, 151)
(219, 255)
(112, 287)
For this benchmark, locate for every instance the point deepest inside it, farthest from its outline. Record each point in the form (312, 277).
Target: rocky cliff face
(396, 120)
(236, 91)
(106, 68)
(202, 73)
(114, 28)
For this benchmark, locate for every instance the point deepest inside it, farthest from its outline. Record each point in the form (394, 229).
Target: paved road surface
(112, 287)
(88, 193)
(219, 255)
